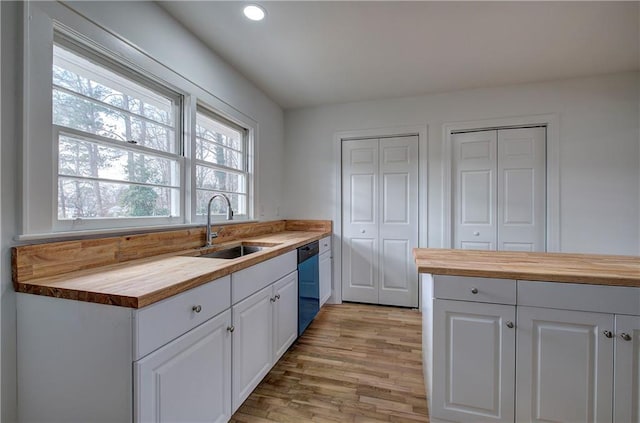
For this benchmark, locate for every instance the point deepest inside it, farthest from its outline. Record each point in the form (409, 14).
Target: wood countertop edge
(611, 270)
(537, 277)
(49, 286)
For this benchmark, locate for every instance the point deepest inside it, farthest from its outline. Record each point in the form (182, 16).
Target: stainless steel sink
(234, 252)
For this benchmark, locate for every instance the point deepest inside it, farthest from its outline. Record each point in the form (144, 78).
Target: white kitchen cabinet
(627, 370)
(192, 357)
(474, 345)
(285, 314)
(264, 325)
(565, 366)
(188, 379)
(325, 269)
(576, 359)
(252, 343)
(77, 358)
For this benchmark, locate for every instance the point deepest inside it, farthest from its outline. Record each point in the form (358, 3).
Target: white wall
(9, 141)
(599, 151)
(152, 30)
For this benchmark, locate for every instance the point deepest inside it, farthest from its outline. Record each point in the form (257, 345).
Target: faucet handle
(217, 232)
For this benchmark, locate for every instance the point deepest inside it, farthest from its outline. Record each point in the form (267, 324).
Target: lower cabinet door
(324, 266)
(285, 314)
(565, 366)
(627, 370)
(252, 343)
(189, 379)
(473, 362)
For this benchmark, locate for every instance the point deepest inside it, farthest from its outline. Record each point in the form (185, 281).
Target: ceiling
(308, 53)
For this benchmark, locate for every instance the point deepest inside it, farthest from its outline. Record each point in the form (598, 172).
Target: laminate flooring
(355, 363)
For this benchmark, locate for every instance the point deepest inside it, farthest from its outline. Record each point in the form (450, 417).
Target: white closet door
(380, 220)
(521, 189)
(474, 184)
(360, 221)
(398, 227)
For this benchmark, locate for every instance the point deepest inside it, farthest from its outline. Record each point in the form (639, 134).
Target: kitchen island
(527, 337)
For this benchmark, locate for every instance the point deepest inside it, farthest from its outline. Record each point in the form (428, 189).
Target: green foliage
(140, 201)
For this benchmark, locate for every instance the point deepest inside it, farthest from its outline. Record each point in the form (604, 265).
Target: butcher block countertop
(552, 267)
(141, 282)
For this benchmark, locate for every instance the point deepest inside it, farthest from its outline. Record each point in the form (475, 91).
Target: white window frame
(247, 166)
(39, 155)
(76, 47)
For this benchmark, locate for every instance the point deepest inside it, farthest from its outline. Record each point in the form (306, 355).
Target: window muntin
(221, 164)
(117, 142)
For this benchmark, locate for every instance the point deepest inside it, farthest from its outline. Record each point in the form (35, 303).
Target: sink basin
(234, 252)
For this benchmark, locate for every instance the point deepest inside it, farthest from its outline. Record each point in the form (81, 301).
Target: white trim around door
(338, 137)
(551, 122)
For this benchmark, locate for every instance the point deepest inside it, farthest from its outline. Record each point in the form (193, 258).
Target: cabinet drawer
(254, 278)
(581, 297)
(482, 290)
(325, 244)
(166, 320)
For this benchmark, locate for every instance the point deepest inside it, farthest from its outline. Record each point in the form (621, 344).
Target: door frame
(551, 122)
(423, 192)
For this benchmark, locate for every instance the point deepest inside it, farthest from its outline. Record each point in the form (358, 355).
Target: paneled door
(189, 379)
(474, 182)
(380, 220)
(499, 183)
(627, 370)
(252, 344)
(564, 367)
(473, 342)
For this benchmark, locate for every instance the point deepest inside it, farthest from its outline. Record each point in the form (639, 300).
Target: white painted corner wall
(599, 152)
(9, 146)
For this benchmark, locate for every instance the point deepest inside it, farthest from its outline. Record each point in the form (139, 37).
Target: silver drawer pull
(607, 333)
(277, 296)
(196, 308)
(231, 328)
(474, 290)
(510, 324)
(272, 299)
(625, 336)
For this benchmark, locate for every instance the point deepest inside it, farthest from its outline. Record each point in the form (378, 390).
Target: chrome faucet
(211, 236)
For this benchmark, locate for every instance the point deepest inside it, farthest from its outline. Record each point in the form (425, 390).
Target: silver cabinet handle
(510, 324)
(272, 299)
(196, 308)
(474, 290)
(362, 231)
(231, 328)
(277, 296)
(625, 336)
(607, 333)
(476, 233)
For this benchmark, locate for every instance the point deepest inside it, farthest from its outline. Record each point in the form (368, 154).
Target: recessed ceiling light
(254, 12)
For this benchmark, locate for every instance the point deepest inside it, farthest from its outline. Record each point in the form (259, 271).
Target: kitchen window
(117, 138)
(221, 164)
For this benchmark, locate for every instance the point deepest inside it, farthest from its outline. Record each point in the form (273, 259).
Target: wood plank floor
(355, 363)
